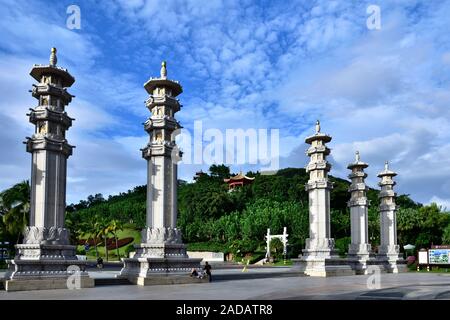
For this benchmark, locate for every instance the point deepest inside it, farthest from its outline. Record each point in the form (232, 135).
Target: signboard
(441, 246)
(439, 256)
(423, 257)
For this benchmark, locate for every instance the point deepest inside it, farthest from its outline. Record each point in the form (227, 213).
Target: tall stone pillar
(161, 257)
(43, 259)
(319, 256)
(318, 187)
(389, 251)
(359, 248)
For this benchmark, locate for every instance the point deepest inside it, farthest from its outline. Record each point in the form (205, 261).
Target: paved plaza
(261, 284)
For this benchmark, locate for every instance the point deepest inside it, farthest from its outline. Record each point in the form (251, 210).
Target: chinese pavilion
(238, 180)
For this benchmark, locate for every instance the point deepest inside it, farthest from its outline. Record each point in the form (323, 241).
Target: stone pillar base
(359, 257)
(43, 267)
(322, 264)
(362, 250)
(45, 284)
(320, 259)
(323, 267)
(155, 264)
(162, 279)
(392, 263)
(361, 263)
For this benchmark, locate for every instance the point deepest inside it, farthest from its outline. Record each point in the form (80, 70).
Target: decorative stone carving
(161, 235)
(43, 235)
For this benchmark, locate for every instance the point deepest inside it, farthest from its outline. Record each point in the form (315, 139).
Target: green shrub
(276, 249)
(128, 249)
(240, 248)
(256, 257)
(3, 264)
(342, 245)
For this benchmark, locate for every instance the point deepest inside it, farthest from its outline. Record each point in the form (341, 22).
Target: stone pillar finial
(53, 58)
(386, 165)
(357, 156)
(317, 126)
(163, 70)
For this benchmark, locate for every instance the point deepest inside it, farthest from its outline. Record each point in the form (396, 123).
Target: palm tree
(114, 227)
(72, 222)
(15, 208)
(103, 231)
(92, 227)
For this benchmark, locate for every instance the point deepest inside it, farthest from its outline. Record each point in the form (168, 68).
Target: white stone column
(161, 257)
(388, 214)
(319, 256)
(161, 153)
(42, 261)
(358, 205)
(318, 187)
(389, 250)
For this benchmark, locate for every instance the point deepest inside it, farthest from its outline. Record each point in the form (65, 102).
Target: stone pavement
(262, 284)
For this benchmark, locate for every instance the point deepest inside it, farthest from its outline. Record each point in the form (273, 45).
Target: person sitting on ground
(99, 262)
(207, 269)
(194, 272)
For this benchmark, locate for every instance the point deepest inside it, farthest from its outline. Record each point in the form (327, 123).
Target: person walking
(207, 269)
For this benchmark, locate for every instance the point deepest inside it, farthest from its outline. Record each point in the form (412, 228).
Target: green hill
(212, 218)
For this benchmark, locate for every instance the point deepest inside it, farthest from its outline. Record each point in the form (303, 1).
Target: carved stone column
(319, 256)
(389, 251)
(161, 257)
(44, 258)
(359, 248)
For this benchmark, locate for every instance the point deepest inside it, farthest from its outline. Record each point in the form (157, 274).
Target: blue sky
(242, 64)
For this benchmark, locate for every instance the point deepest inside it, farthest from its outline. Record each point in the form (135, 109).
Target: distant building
(238, 180)
(198, 175)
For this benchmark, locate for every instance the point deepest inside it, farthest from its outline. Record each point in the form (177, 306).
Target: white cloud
(444, 203)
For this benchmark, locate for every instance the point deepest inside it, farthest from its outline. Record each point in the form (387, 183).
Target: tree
(340, 223)
(446, 235)
(114, 227)
(422, 226)
(92, 227)
(374, 225)
(104, 229)
(276, 247)
(97, 198)
(15, 208)
(219, 172)
(74, 224)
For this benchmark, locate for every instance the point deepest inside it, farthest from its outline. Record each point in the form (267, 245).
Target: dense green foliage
(423, 226)
(211, 217)
(14, 211)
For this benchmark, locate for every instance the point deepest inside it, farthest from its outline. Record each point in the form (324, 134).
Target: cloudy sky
(243, 64)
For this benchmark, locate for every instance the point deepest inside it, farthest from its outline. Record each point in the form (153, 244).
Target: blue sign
(438, 256)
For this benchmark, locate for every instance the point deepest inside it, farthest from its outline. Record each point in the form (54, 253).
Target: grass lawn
(281, 263)
(126, 233)
(434, 270)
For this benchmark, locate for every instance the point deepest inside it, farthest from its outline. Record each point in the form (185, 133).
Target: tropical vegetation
(212, 218)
